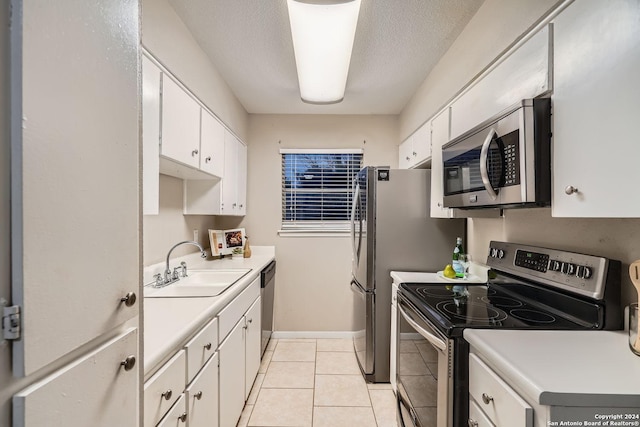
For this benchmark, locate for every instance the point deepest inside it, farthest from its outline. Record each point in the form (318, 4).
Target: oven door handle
(433, 339)
(484, 153)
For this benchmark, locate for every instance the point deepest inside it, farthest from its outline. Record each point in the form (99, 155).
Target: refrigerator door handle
(356, 194)
(357, 289)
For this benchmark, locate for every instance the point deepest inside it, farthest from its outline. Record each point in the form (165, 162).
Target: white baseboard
(312, 334)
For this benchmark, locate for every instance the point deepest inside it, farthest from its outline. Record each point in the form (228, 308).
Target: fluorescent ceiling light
(323, 33)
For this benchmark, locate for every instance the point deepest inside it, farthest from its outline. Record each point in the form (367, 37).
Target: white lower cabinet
(164, 388)
(177, 415)
(253, 342)
(202, 396)
(477, 418)
(232, 371)
(95, 390)
(497, 400)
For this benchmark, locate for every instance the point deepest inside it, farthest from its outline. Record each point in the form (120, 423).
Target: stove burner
(435, 292)
(532, 315)
(505, 302)
(471, 311)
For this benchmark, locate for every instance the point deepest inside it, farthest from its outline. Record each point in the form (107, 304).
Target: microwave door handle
(434, 340)
(484, 153)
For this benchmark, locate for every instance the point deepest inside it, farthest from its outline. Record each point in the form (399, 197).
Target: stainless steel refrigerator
(391, 229)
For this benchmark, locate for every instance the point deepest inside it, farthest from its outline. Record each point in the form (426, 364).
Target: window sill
(313, 233)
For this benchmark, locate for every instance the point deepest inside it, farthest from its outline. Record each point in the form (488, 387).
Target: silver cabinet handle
(486, 398)
(570, 189)
(129, 299)
(207, 346)
(183, 418)
(208, 159)
(129, 363)
(249, 320)
(473, 423)
(167, 394)
(194, 152)
(198, 395)
(484, 152)
(408, 158)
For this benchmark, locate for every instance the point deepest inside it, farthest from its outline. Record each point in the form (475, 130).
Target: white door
(405, 154)
(75, 164)
(241, 179)
(229, 182)
(202, 396)
(95, 390)
(232, 371)
(439, 137)
(421, 144)
(253, 340)
(180, 124)
(151, 75)
(212, 145)
(595, 109)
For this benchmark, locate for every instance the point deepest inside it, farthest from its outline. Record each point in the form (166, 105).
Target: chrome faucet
(170, 277)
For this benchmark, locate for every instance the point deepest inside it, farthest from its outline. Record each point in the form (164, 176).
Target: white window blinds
(316, 188)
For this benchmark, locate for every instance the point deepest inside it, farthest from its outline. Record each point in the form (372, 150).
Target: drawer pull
(198, 395)
(486, 398)
(473, 423)
(167, 394)
(183, 417)
(207, 346)
(249, 320)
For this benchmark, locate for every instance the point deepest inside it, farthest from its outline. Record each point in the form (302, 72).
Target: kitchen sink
(199, 283)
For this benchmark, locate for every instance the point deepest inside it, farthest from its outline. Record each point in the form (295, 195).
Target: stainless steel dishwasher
(267, 288)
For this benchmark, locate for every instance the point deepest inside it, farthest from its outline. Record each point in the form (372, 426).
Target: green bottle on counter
(456, 264)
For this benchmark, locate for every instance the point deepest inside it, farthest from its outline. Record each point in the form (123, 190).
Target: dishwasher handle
(436, 341)
(267, 274)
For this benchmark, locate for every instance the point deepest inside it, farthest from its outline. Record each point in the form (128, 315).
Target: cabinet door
(421, 144)
(229, 182)
(241, 179)
(151, 75)
(439, 137)
(75, 174)
(202, 396)
(405, 153)
(253, 339)
(94, 390)
(232, 371)
(180, 124)
(595, 109)
(212, 145)
(177, 415)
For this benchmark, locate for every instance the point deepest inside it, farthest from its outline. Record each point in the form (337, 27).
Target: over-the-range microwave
(502, 163)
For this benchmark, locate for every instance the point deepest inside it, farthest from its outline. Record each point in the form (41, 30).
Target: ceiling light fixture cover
(323, 33)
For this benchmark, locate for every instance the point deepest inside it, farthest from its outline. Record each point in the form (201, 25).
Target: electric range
(528, 288)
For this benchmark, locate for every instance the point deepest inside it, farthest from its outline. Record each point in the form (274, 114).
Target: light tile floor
(316, 383)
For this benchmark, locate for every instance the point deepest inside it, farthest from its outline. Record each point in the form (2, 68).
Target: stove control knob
(493, 252)
(554, 265)
(584, 272)
(500, 253)
(568, 268)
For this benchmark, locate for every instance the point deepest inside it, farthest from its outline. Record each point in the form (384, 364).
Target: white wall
(312, 292)
(169, 40)
(476, 47)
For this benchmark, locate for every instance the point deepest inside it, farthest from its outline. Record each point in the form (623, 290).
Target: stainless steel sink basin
(199, 283)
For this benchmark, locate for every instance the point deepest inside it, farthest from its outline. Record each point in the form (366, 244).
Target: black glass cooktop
(503, 304)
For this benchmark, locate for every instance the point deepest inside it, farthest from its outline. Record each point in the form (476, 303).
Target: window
(316, 188)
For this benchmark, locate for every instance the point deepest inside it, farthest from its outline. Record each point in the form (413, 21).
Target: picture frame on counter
(227, 242)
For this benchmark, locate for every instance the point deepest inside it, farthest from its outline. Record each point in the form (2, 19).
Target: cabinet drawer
(200, 348)
(164, 388)
(477, 418)
(500, 402)
(230, 315)
(177, 415)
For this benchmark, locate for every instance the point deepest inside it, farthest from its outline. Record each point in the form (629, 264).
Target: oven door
(425, 381)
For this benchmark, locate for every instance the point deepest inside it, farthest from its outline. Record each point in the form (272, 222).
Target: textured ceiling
(397, 43)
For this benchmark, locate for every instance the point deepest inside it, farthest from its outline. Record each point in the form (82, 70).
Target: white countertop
(564, 368)
(477, 273)
(170, 322)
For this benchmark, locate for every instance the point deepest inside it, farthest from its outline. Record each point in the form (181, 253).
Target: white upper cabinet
(180, 125)
(595, 109)
(439, 137)
(75, 177)
(211, 144)
(151, 76)
(416, 149)
(524, 73)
